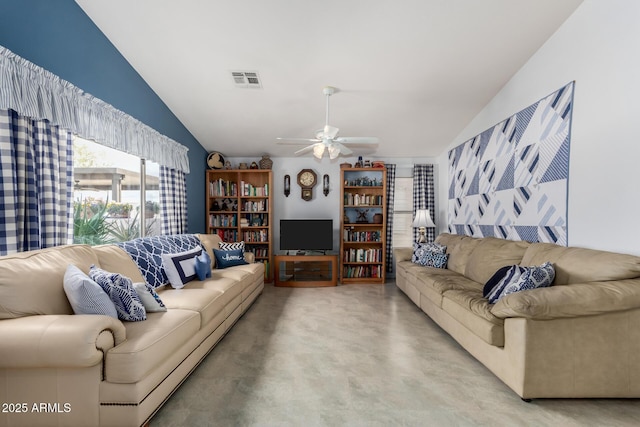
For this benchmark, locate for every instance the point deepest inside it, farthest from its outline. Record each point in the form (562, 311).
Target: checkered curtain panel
(173, 201)
(424, 196)
(36, 184)
(391, 190)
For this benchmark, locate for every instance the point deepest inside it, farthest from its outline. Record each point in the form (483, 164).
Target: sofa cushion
(85, 295)
(459, 249)
(579, 265)
(180, 267)
(43, 271)
(209, 303)
(114, 258)
(434, 282)
(120, 290)
(473, 311)
(149, 344)
(490, 254)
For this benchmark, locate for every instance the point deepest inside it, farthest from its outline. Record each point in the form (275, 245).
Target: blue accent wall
(59, 37)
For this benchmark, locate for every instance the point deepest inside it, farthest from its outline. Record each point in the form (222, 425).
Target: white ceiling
(411, 72)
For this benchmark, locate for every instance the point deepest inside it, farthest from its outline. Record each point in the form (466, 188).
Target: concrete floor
(358, 355)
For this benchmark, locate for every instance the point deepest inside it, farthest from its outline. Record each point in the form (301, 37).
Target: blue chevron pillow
(121, 292)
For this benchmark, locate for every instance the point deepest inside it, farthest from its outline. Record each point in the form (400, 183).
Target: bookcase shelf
(363, 225)
(239, 204)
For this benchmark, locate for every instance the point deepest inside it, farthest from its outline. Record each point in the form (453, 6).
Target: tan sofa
(91, 370)
(577, 338)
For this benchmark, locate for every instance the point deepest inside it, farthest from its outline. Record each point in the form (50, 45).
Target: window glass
(107, 195)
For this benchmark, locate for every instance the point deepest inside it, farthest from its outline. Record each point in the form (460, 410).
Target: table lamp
(422, 220)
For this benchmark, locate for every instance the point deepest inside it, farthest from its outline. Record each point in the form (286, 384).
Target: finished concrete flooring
(358, 355)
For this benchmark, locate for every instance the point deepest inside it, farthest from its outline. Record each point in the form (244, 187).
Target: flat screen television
(306, 234)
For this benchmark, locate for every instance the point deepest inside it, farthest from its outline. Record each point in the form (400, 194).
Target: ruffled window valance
(37, 93)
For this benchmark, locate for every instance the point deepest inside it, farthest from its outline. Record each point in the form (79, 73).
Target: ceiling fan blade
(295, 141)
(372, 140)
(345, 151)
(304, 150)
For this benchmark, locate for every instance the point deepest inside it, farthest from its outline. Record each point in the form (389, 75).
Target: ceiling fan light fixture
(318, 150)
(334, 151)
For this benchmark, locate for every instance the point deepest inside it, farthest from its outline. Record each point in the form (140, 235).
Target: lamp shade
(423, 219)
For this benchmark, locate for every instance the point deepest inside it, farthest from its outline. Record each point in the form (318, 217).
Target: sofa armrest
(58, 341)
(402, 254)
(575, 300)
(250, 257)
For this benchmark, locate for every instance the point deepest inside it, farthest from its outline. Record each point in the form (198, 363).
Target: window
(110, 189)
(403, 213)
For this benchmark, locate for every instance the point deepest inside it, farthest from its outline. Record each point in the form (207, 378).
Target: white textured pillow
(149, 297)
(85, 295)
(181, 267)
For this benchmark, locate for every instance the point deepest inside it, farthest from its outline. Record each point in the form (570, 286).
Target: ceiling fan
(327, 139)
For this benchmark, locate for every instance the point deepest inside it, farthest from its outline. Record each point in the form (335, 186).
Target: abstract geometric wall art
(511, 181)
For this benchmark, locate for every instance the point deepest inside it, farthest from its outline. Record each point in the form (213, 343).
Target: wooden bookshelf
(363, 225)
(239, 208)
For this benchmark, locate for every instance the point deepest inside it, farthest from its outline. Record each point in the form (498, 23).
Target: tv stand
(306, 270)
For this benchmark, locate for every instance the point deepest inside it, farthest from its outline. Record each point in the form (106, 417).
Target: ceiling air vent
(246, 79)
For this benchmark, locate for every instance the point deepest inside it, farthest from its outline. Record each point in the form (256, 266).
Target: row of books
(356, 199)
(362, 255)
(255, 205)
(251, 190)
(228, 235)
(218, 220)
(258, 251)
(255, 236)
(349, 235)
(221, 187)
(363, 271)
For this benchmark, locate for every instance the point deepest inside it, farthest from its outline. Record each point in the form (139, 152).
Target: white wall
(598, 47)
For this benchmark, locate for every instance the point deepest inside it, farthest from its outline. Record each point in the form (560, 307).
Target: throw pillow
(226, 259)
(226, 246)
(120, 290)
(511, 276)
(203, 265)
(85, 295)
(493, 281)
(532, 278)
(420, 251)
(180, 267)
(149, 297)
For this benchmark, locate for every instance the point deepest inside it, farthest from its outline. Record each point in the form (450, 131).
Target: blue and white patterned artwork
(511, 181)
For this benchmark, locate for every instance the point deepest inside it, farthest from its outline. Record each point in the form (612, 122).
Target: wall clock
(307, 179)
(215, 160)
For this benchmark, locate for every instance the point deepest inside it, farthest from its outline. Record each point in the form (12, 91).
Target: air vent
(246, 79)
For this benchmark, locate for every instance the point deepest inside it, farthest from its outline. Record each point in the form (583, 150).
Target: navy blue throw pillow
(226, 259)
(497, 276)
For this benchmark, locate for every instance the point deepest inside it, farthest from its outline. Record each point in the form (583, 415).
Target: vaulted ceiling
(411, 72)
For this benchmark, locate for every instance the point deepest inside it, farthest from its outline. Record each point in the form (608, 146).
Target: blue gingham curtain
(173, 201)
(36, 184)
(391, 191)
(424, 197)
